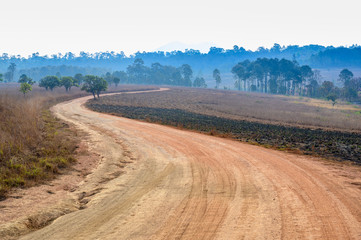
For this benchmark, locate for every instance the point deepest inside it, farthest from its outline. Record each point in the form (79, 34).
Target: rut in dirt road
(185, 185)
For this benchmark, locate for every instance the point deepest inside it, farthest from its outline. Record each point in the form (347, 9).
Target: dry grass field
(295, 111)
(300, 125)
(33, 144)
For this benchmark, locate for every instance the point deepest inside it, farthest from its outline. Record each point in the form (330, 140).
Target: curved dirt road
(185, 185)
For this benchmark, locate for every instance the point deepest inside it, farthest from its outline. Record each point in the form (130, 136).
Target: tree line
(156, 74)
(266, 75)
(290, 78)
(37, 66)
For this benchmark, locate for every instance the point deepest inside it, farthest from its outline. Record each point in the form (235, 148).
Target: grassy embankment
(295, 124)
(34, 145)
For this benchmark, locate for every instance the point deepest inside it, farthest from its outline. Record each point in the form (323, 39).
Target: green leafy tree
(351, 85)
(332, 97)
(79, 78)
(25, 79)
(187, 74)
(199, 82)
(116, 81)
(217, 77)
(137, 72)
(352, 88)
(345, 76)
(49, 82)
(1, 77)
(326, 88)
(94, 85)
(121, 75)
(68, 82)
(25, 88)
(241, 73)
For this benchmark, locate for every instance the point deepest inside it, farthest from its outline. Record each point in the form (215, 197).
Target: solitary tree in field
(49, 82)
(94, 85)
(25, 88)
(1, 77)
(332, 97)
(217, 77)
(68, 82)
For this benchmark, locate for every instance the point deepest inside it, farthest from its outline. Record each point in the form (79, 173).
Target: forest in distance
(329, 60)
(264, 75)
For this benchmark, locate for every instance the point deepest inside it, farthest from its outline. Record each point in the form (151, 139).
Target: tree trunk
(265, 83)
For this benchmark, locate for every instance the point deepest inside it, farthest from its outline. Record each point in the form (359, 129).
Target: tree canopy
(25, 88)
(94, 85)
(217, 77)
(25, 79)
(68, 82)
(49, 82)
(199, 82)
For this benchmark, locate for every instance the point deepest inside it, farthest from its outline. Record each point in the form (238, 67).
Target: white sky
(49, 26)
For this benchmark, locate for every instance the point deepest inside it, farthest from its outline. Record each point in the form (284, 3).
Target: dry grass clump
(264, 108)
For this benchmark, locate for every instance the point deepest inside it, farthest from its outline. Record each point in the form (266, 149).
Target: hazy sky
(49, 26)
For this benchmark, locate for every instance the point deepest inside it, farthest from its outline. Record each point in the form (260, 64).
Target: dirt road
(185, 185)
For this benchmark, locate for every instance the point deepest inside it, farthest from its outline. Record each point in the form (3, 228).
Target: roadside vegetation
(34, 145)
(285, 123)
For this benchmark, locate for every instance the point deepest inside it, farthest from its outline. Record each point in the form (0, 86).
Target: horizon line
(77, 53)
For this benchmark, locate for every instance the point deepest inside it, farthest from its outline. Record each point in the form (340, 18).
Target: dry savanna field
(266, 108)
(298, 124)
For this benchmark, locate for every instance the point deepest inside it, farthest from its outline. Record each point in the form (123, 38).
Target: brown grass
(290, 111)
(34, 145)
